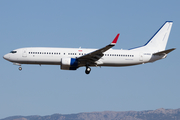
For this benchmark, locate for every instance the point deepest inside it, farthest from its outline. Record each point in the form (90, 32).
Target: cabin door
(24, 53)
(141, 57)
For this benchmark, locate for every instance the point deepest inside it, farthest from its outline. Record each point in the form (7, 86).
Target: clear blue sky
(45, 90)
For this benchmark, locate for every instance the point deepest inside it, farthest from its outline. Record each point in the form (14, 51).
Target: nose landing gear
(88, 70)
(20, 68)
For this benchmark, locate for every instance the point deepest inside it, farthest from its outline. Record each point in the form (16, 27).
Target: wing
(90, 58)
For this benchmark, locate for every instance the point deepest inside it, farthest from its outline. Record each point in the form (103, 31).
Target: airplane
(73, 58)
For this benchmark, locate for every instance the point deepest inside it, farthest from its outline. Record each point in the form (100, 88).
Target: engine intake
(69, 64)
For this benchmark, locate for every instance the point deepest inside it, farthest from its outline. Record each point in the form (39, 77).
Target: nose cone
(6, 57)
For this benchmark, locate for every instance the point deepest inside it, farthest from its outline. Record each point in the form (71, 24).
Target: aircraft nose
(6, 57)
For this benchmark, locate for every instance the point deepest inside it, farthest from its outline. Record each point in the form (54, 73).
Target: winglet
(115, 39)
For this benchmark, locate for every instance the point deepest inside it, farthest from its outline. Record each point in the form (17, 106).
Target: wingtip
(115, 39)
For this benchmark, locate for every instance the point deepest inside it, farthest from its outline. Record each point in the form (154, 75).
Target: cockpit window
(13, 52)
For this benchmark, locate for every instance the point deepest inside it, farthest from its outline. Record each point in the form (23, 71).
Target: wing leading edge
(90, 58)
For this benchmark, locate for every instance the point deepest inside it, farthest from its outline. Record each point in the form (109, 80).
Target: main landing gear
(88, 70)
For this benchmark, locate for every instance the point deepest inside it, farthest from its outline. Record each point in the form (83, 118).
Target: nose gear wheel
(20, 68)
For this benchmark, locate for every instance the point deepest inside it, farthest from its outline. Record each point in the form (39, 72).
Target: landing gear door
(24, 53)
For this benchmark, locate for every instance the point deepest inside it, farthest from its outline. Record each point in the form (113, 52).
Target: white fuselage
(53, 56)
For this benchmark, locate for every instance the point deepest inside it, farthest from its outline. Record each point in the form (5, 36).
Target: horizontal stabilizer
(164, 52)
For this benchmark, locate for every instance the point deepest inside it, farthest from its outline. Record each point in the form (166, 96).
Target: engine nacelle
(69, 64)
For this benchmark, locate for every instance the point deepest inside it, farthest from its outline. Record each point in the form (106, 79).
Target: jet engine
(69, 64)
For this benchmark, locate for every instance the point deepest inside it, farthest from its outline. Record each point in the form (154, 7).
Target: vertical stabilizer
(159, 40)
